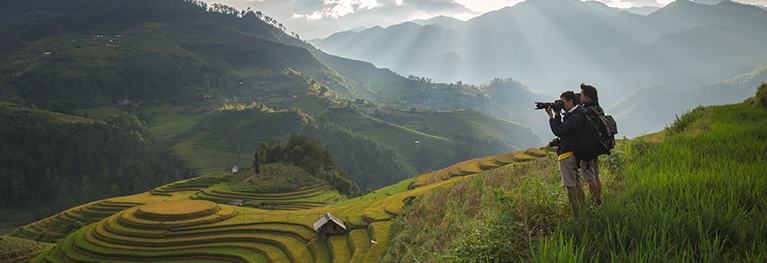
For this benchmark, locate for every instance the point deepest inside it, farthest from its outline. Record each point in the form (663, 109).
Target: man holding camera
(568, 129)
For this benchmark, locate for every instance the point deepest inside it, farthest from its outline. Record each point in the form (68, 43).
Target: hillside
(171, 66)
(177, 221)
(661, 191)
(53, 161)
(689, 193)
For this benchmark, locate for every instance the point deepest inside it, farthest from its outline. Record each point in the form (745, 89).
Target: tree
(256, 162)
(297, 155)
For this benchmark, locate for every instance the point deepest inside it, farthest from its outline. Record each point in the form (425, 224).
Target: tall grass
(698, 194)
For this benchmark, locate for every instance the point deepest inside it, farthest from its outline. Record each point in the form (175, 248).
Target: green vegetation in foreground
(694, 192)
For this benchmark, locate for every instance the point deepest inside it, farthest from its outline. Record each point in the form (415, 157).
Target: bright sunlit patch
(368, 4)
(339, 8)
(423, 16)
(316, 15)
(398, 2)
(342, 8)
(620, 4)
(664, 2)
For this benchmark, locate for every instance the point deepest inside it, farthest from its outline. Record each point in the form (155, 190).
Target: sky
(320, 18)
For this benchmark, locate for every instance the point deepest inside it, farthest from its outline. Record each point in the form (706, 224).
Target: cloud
(320, 18)
(339, 8)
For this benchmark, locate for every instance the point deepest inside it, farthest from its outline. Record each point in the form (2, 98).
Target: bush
(760, 101)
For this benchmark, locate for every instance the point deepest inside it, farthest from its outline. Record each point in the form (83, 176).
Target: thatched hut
(329, 225)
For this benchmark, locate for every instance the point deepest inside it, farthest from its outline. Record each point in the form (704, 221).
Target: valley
(184, 131)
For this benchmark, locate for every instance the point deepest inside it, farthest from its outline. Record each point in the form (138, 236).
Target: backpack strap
(594, 109)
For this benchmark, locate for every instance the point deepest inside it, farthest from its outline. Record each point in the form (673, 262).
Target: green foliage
(465, 222)
(760, 101)
(496, 239)
(558, 250)
(688, 120)
(57, 166)
(274, 178)
(310, 155)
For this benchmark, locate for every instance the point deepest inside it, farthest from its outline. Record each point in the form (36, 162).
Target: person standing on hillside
(568, 129)
(590, 100)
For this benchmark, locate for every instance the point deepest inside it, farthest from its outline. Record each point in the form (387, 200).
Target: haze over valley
(377, 130)
(553, 46)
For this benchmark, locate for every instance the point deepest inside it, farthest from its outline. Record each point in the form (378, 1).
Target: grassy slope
(367, 218)
(691, 193)
(387, 133)
(54, 117)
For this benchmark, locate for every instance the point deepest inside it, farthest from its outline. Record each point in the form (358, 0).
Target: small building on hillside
(329, 225)
(235, 202)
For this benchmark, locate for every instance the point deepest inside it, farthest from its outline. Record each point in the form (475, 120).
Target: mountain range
(554, 45)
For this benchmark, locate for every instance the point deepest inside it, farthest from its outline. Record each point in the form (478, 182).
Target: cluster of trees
(308, 154)
(57, 166)
(419, 79)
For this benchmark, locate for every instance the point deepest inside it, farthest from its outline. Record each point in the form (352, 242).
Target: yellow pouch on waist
(565, 155)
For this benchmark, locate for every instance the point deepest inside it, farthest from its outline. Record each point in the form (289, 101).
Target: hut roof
(325, 219)
(235, 202)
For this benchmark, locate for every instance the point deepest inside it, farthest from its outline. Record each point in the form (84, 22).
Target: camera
(556, 105)
(554, 142)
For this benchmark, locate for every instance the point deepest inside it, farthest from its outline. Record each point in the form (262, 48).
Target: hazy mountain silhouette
(444, 22)
(643, 10)
(636, 117)
(554, 45)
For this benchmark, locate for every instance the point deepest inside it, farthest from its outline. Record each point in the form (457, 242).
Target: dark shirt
(569, 129)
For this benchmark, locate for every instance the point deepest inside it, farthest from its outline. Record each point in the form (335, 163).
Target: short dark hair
(590, 91)
(569, 95)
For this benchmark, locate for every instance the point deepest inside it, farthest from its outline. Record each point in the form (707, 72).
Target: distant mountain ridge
(552, 45)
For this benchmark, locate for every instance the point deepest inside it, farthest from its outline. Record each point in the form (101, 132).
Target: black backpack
(596, 138)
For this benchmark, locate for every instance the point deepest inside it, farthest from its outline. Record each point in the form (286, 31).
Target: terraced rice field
(479, 165)
(14, 249)
(61, 223)
(298, 200)
(189, 221)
